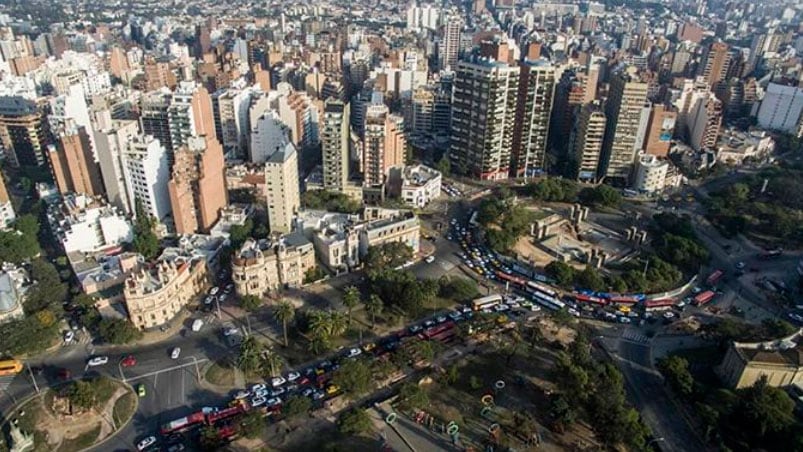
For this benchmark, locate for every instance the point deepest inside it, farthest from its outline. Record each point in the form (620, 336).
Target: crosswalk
(635, 336)
(5, 381)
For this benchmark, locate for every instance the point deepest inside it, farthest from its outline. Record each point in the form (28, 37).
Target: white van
(197, 324)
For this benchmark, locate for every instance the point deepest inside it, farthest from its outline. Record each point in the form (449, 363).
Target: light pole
(217, 305)
(646, 266)
(197, 370)
(33, 378)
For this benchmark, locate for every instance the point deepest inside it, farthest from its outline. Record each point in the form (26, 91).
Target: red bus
(658, 305)
(434, 331)
(623, 299)
(714, 277)
(183, 424)
(520, 282)
(703, 297)
(226, 413)
(589, 299)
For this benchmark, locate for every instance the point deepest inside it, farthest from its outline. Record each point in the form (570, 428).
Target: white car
(535, 308)
(739, 265)
(273, 401)
(440, 319)
(175, 353)
(277, 392)
(214, 291)
(513, 304)
(261, 393)
(98, 361)
(429, 259)
(259, 401)
(147, 442)
(258, 387)
(68, 337)
(242, 395)
(429, 323)
(293, 376)
(354, 352)
(669, 315)
(277, 381)
(501, 308)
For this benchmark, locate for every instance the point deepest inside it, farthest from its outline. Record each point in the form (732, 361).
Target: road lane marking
(157, 372)
(183, 392)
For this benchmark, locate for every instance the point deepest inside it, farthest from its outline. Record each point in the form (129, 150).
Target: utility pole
(217, 305)
(646, 265)
(33, 378)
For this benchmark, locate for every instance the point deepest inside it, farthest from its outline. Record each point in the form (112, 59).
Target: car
(98, 361)
(141, 390)
(214, 291)
(293, 376)
(273, 401)
(221, 298)
(354, 352)
(262, 393)
(574, 312)
(465, 309)
(440, 319)
(175, 353)
(176, 448)
(258, 401)
(277, 381)
(229, 330)
(369, 347)
(307, 392)
(513, 304)
(318, 395)
(258, 387)
(739, 265)
(277, 392)
(68, 337)
(796, 317)
(332, 389)
(623, 320)
(429, 323)
(535, 308)
(501, 308)
(63, 374)
(429, 259)
(146, 443)
(74, 325)
(415, 329)
(209, 299)
(128, 361)
(455, 315)
(242, 394)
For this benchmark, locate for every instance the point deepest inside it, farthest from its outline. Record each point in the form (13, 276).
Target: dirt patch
(553, 332)
(221, 375)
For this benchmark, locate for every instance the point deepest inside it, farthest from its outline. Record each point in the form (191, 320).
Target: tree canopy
(20, 243)
(330, 201)
(354, 377)
(388, 255)
(145, 241)
(554, 189)
(354, 422)
(118, 331)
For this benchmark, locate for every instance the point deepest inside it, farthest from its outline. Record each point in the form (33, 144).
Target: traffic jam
(531, 291)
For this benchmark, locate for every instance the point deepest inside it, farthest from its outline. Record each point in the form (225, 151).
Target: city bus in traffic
(486, 302)
(10, 367)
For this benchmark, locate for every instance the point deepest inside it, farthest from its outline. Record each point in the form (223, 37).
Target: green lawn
(124, 408)
(81, 442)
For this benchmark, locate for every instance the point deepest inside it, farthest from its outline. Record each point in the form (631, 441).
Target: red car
(128, 361)
(64, 374)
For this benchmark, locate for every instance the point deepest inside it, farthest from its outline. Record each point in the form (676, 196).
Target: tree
(81, 395)
(590, 279)
(297, 405)
(444, 166)
(388, 255)
(676, 372)
(84, 301)
(250, 302)
(329, 201)
(351, 298)
(354, 422)
(459, 289)
(764, 409)
(21, 243)
(249, 359)
(452, 374)
(118, 331)
(145, 241)
(313, 274)
(562, 412)
(284, 313)
(413, 397)
(374, 306)
(776, 328)
(561, 272)
(354, 377)
(210, 439)
(251, 424)
(48, 291)
(270, 362)
(238, 234)
(338, 323)
(601, 195)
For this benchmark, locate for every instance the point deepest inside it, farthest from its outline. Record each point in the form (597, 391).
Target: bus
(486, 302)
(515, 280)
(659, 305)
(703, 298)
(714, 277)
(582, 298)
(547, 301)
(541, 288)
(623, 299)
(10, 367)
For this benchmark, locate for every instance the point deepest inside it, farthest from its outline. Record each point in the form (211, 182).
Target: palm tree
(319, 343)
(338, 323)
(271, 362)
(374, 306)
(351, 298)
(284, 313)
(250, 350)
(319, 323)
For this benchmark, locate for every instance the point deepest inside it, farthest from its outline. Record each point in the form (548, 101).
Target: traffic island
(73, 416)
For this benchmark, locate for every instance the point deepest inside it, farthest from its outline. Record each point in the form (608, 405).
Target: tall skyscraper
(628, 95)
(111, 145)
(147, 173)
(155, 117)
(74, 167)
(450, 42)
(585, 142)
(190, 114)
(197, 187)
(335, 144)
(533, 110)
(483, 118)
(705, 119)
(281, 188)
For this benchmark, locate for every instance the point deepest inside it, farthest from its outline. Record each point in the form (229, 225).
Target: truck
(703, 297)
(714, 277)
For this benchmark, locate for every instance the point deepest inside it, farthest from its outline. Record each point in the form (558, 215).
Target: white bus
(547, 301)
(486, 302)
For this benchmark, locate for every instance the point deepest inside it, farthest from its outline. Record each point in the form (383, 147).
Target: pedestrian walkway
(5, 381)
(635, 336)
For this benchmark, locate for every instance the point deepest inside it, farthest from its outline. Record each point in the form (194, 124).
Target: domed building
(11, 293)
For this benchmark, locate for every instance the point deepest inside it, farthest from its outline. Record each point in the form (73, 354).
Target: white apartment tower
(281, 188)
(450, 42)
(628, 95)
(147, 173)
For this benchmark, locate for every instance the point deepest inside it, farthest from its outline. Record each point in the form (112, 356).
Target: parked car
(98, 361)
(293, 376)
(258, 387)
(277, 381)
(243, 394)
(259, 401)
(354, 352)
(429, 259)
(214, 291)
(175, 353)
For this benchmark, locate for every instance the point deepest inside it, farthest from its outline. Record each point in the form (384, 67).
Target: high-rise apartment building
(424, 17)
(585, 142)
(190, 114)
(335, 144)
(268, 135)
(483, 118)
(705, 119)
(627, 97)
(111, 144)
(781, 108)
(230, 110)
(73, 165)
(716, 65)
(533, 110)
(281, 188)
(450, 42)
(384, 144)
(147, 173)
(197, 187)
(155, 118)
(23, 131)
(660, 129)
